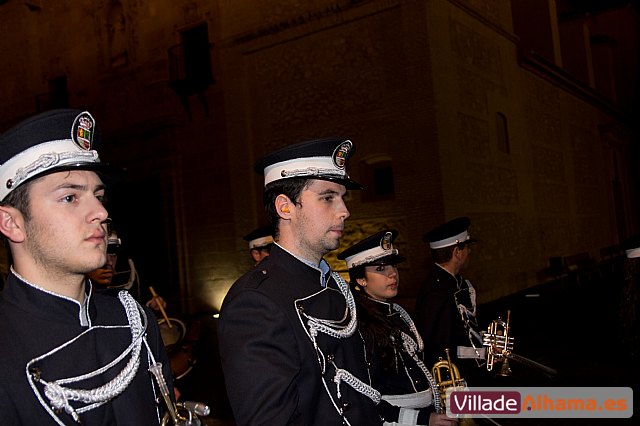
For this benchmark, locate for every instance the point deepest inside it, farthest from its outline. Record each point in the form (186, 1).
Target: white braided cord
(465, 315)
(407, 320)
(410, 346)
(333, 328)
(60, 396)
(336, 330)
(357, 384)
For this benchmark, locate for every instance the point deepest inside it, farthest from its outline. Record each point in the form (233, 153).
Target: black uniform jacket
(271, 368)
(437, 317)
(392, 372)
(33, 322)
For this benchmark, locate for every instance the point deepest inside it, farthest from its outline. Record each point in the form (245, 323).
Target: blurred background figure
(260, 241)
(103, 276)
(113, 277)
(629, 312)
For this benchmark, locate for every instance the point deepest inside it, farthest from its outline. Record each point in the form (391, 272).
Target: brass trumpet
(446, 375)
(499, 343)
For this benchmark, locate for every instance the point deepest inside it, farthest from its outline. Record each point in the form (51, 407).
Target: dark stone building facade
(516, 114)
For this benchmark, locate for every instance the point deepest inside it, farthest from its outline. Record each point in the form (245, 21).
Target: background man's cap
(113, 242)
(53, 141)
(376, 249)
(259, 238)
(631, 246)
(448, 234)
(324, 159)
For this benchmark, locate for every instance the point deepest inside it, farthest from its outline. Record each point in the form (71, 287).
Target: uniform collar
(323, 267)
(384, 307)
(46, 304)
(446, 270)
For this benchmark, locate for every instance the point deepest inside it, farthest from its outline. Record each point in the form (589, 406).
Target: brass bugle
(156, 370)
(446, 375)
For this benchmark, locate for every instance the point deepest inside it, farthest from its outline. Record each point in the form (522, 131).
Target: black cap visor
(392, 259)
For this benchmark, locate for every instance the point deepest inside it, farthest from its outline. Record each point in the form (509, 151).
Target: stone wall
(436, 87)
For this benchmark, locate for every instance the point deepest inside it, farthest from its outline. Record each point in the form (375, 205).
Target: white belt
(408, 402)
(467, 352)
(411, 400)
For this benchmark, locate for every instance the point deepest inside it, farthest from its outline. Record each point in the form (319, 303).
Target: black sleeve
(8, 411)
(436, 323)
(259, 359)
(388, 412)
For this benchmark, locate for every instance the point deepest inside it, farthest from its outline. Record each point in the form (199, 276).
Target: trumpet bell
(505, 369)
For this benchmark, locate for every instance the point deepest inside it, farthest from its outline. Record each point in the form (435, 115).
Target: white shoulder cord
(472, 297)
(330, 327)
(410, 345)
(333, 329)
(60, 396)
(465, 315)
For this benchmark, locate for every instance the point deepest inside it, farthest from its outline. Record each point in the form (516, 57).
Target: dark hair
(355, 273)
(444, 254)
(292, 188)
(19, 199)
(379, 333)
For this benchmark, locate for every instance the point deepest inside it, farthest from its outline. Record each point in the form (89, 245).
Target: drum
(172, 336)
(179, 342)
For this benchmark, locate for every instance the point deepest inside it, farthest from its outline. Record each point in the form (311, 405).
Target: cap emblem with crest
(374, 250)
(341, 154)
(52, 141)
(386, 241)
(323, 159)
(82, 130)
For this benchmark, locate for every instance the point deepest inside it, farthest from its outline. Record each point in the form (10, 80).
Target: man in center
(291, 353)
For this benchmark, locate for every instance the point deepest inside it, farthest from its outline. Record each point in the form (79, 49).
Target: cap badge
(385, 241)
(341, 154)
(82, 130)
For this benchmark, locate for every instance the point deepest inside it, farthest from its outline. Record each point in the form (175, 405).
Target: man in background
(446, 304)
(103, 277)
(260, 241)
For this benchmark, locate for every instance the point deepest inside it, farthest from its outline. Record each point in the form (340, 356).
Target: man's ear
(12, 224)
(283, 206)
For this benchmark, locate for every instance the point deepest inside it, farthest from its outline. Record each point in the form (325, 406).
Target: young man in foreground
(68, 355)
